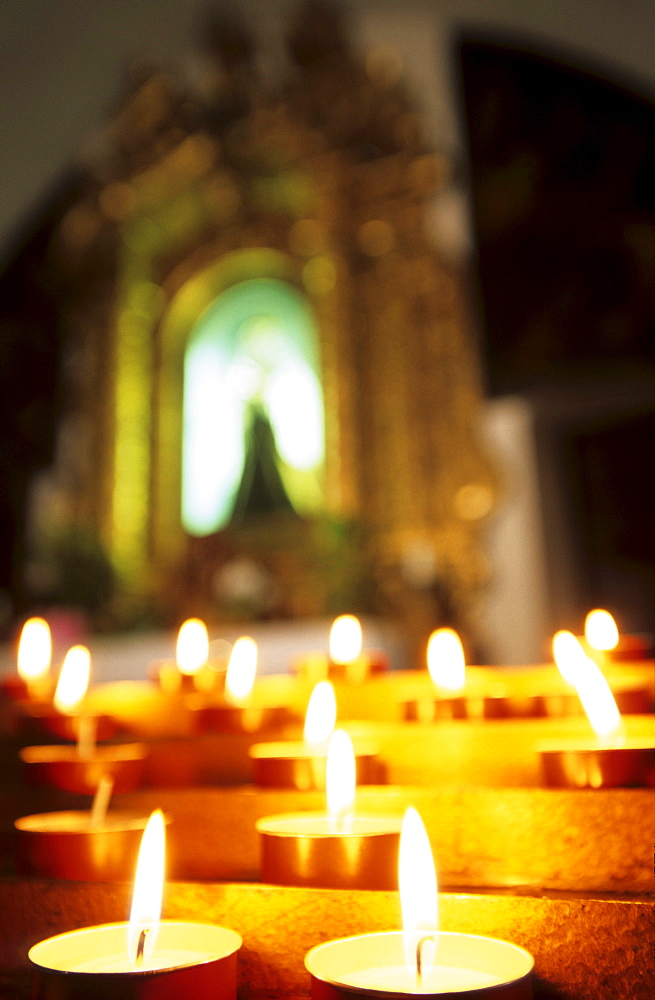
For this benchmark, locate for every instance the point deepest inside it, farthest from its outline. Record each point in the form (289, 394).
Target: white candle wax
(440, 979)
(161, 959)
(80, 822)
(103, 948)
(375, 963)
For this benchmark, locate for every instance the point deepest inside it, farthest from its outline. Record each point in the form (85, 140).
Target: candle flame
(600, 630)
(340, 775)
(569, 655)
(241, 670)
(34, 650)
(417, 882)
(73, 680)
(148, 891)
(192, 646)
(321, 715)
(446, 663)
(345, 639)
(591, 685)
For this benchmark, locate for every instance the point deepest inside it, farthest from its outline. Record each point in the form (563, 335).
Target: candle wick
(86, 736)
(101, 801)
(419, 956)
(141, 947)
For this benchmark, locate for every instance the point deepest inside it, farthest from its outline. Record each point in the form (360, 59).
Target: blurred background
(313, 307)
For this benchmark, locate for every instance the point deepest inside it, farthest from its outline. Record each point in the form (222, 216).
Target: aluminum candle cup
(294, 765)
(631, 699)
(616, 758)
(519, 692)
(367, 664)
(43, 721)
(64, 768)
(580, 763)
(631, 648)
(170, 679)
(192, 669)
(490, 706)
(14, 688)
(465, 965)
(633, 692)
(317, 666)
(220, 717)
(189, 960)
(313, 849)
(68, 845)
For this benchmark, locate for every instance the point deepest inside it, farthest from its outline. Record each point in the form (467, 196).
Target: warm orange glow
(340, 775)
(148, 890)
(417, 883)
(590, 683)
(73, 679)
(446, 662)
(600, 630)
(345, 639)
(241, 670)
(192, 646)
(321, 715)
(34, 651)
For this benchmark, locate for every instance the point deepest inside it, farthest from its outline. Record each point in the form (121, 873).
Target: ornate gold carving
(330, 175)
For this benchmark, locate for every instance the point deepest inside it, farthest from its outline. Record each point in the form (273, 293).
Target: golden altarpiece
(260, 225)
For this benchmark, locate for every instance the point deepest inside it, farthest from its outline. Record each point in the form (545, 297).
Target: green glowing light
(256, 343)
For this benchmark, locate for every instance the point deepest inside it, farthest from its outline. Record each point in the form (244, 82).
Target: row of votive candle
(195, 670)
(150, 958)
(194, 958)
(613, 758)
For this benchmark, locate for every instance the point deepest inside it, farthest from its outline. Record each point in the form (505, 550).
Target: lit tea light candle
(601, 631)
(65, 768)
(71, 689)
(346, 658)
(604, 644)
(193, 669)
(601, 636)
(453, 696)
(81, 845)
(146, 958)
(607, 645)
(609, 758)
(69, 717)
(301, 764)
(420, 960)
(461, 692)
(320, 717)
(633, 689)
(32, 680)
(446, 661)
(346, 647)
(338, 848)
(237, 710)
(192, 652)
